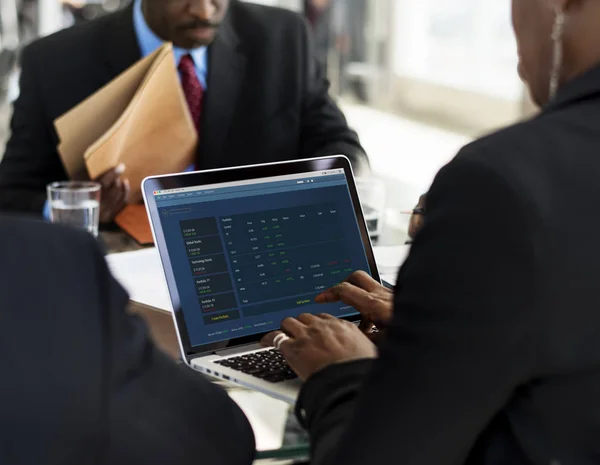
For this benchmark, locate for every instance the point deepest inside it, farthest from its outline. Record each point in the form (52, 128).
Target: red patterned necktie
(191, 88)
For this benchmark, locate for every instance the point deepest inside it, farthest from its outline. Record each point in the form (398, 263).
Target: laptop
(243, 248)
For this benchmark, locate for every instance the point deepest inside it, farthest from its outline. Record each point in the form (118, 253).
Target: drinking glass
(75, 203)
(371, 192)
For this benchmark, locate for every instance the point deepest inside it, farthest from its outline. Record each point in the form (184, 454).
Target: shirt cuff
(329, 387)
(46, 211)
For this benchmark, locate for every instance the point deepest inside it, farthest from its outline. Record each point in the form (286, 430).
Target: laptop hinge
(238, 349)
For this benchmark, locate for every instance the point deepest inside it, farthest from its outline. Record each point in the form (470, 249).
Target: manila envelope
(140, 118)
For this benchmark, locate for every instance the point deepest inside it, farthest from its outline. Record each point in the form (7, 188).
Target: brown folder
(140, 118)
(134, 221)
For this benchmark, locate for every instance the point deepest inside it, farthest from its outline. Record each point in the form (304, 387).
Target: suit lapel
(119, 44)
(226, 68)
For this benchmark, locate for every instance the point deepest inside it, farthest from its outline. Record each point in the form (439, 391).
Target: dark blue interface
(246, 256)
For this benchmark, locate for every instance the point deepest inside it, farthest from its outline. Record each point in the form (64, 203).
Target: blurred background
(415, 78)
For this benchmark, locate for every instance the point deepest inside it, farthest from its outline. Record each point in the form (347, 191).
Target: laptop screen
(247, 254)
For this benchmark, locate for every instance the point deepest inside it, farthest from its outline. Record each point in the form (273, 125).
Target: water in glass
(81, 214)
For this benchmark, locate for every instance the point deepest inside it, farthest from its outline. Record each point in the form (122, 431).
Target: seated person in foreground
(255, 92)
(491, 354)
(81, 381)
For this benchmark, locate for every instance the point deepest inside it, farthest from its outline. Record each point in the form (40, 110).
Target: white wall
(463, 44)
(9, 38)
(50, 16)
(406, 153)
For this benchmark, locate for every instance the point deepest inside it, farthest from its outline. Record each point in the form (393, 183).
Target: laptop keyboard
(268, 365)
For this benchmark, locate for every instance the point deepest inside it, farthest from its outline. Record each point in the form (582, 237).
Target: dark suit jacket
(267, 99)
(493, 356)
(81, 382)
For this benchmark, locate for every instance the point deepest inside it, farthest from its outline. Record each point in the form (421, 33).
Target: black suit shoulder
(71, 36)
(530, 157)
(63, 49)
(258, 25)
(270, 17)
(502, 148)
(538, 140)
(555, 149)
(69, 65)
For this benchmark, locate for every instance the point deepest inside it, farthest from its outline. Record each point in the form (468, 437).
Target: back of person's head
(558, 40)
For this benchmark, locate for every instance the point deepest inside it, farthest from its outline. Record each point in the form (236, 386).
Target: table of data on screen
(263, 262)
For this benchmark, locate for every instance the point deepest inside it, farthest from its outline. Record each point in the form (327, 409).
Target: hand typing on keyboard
(315, 342)
(268, 365)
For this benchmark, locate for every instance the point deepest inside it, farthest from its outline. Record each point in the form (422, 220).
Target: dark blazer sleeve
(461, 341)
(159, 412)
(31, 160)
(324, 129)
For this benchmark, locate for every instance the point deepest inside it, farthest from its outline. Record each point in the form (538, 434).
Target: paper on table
(266, 415)
(140, 273)
(390, 258)
(389, 278)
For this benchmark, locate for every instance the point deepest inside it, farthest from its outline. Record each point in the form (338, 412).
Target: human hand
(115, 193)
(313, 342)
(372, 300)
(417, 218)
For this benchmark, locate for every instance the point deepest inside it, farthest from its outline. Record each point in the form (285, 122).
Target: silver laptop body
(243, 248)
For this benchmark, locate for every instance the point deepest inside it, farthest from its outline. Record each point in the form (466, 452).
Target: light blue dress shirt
(148, 42)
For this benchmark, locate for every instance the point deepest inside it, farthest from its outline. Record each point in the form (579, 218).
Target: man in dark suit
(81, 381)
(255, 91)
